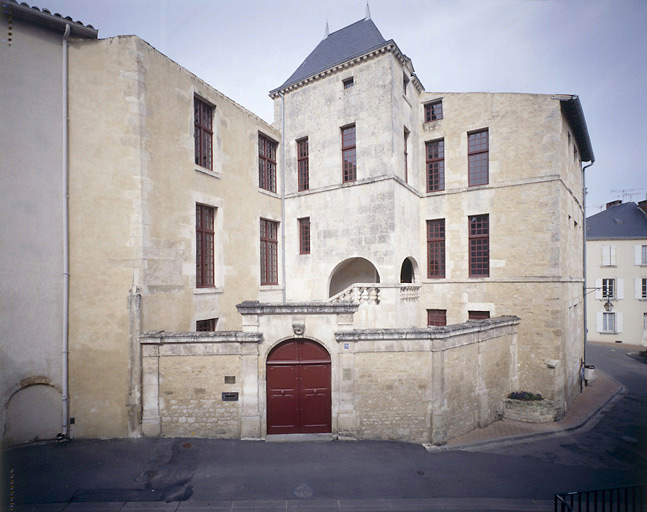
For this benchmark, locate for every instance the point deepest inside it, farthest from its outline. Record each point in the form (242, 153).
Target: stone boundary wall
(416, 385)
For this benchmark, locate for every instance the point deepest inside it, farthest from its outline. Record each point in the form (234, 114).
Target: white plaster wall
(31, 206)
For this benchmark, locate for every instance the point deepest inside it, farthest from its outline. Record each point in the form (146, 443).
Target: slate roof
(624, 220)
(344, 44)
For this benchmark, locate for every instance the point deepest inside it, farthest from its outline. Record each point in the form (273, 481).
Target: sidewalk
(600, 394)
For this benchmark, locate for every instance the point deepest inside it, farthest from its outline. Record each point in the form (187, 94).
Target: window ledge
(270, 287)
(209, 172)
(269, 193)
(608, 266)
(208, 291)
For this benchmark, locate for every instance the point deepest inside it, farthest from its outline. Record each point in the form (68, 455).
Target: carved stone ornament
(299, 329)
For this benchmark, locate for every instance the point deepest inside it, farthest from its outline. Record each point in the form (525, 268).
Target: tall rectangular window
(406, 155)
(436, 317)
(303, 164)
(478, 315)
(349, 153)
(203, 133)
(433, 111)
(435, 151)
(608, 322)
(643, 257)
(479, 245)
(204, 238)
(608, 255)
(269, 252)
(266, 163)
(478, 149)
(643, 289)
(436, 248)
(304, 235)
(608, 288)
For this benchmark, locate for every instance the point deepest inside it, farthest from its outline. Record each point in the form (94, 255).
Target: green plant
(526, 396)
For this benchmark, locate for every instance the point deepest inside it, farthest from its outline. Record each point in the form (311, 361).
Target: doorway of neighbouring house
(298, 388)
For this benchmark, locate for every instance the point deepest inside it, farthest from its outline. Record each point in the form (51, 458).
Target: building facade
(616, 268)
(359, 268)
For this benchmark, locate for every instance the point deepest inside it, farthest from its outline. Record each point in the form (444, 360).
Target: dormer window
(348, 83)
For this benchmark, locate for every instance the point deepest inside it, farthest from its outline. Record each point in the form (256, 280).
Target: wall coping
(162, 337)
(289, 308)
(427, 333)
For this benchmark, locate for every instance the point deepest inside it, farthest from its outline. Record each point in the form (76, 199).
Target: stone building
(360, 268)
(616, 245)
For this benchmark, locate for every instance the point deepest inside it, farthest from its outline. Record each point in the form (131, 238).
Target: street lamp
(608, 306)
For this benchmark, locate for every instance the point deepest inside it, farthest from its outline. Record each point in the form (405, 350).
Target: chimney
(614, 203)
(643, 205)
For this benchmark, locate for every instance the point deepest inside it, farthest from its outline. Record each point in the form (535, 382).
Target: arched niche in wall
(351, 271)
(33, 413)
(408, 270)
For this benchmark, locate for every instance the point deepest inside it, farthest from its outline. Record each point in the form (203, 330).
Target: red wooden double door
(298, 388)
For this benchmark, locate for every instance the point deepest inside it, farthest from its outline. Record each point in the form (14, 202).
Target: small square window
(206, 325)
(433, 111)
(348, 83)
(436, 317)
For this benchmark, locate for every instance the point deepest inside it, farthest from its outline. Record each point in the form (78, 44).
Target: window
(349, 154)
(348, 83)
(304, 235)
(206, 325)
(640, 255)
(433, 111)
(269, 252)
(436, 248)
(479, 246)
(266, 163)
(644, 255)
(204, 235)
(405, 82)
(435, 165)
(640, 288)
(608, 288)
(406, 155)
(477, 149)
(478, 315)
(202, 133)
(643, 291)
(303, 164)
(608, 255)
(608, 322)
(436, 317)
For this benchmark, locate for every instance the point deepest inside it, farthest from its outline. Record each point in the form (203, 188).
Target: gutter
(66, 240)
(283, 278)
(585, 311)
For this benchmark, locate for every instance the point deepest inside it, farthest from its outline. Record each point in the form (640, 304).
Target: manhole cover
(303, 491)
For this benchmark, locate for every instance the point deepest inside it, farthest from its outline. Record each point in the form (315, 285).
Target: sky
(596, 49)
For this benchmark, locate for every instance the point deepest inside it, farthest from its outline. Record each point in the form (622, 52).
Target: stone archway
(350, 271)
(298, 388)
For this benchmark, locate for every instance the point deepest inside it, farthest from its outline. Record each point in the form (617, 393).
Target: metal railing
(616, 499)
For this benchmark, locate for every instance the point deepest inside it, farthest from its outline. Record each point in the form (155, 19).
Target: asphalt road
(611, 453)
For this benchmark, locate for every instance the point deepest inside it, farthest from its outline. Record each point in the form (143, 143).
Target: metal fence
(616, 499)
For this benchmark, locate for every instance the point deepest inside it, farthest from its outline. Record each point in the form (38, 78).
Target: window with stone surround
(436, 317)
(478, 158)
(433, 111)
(479, 245)
(203, 133)
(349, 153)
(204, 241)
(436, 249)
(266, 163)
(304, 235)
(435, 151)
(269, 252)
(303, 164)
(478, 315)
(206, 325)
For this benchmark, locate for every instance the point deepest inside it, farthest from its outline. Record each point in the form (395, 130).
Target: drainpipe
(66, 235)
(584, 253)
(283, 279)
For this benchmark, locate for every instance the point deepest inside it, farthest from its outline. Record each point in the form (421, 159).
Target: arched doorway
(298, 388)
(350, 271)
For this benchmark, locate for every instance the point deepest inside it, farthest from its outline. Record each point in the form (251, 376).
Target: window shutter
(606, 255)
(598, 321)
(613, 255)
(618, 322)
(598, 289)
(638, 291)
(621, 289)
(637, 255)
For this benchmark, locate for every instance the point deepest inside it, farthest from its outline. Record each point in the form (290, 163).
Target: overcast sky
(596, 49)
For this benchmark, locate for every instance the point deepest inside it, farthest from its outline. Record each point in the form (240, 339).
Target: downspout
(283, 278)
(584, 253)
(66, 238)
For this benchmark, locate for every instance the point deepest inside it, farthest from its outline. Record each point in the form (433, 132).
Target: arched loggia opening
(350, 271)
(407, 271)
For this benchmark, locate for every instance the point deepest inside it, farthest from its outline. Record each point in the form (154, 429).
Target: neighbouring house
(381, 262)
(616, 269)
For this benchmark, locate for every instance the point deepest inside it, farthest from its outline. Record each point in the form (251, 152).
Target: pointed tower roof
(340, 46)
